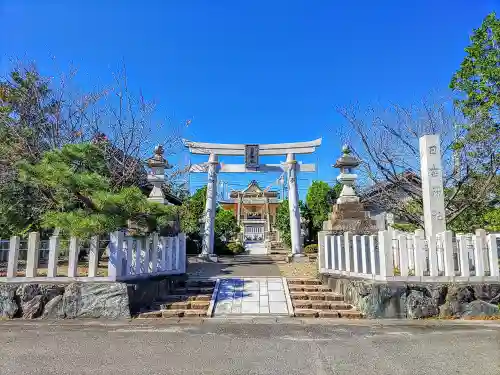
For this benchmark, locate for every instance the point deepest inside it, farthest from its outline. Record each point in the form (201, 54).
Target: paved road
(249, 347)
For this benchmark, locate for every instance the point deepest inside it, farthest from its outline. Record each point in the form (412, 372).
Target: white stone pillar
(115, 263)
(432, 192)
(293, 204)
(210, 206)
(53, 256)
(33, 254)
(13, 256)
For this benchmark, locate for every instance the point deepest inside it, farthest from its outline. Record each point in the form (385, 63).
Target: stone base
(109, 300)
(350, 217)
(209, 258)
(299, 258)
(417, 300)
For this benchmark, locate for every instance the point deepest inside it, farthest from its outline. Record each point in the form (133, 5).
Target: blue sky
(254, 71)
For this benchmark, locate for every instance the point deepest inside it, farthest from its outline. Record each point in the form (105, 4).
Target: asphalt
(249, 346)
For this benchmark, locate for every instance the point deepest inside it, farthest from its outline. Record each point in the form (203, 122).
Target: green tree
(83, 201)
(319, 199)
(283, 220)
(226, 226)
(478, 78)
(192, 212)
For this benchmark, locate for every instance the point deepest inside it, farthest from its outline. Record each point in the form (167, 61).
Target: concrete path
(256, 248)
(251, 296)
(257, 346)
(238, 266)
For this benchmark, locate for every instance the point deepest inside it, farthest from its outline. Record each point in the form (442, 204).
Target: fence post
(347, 247)
(479, 244)
(164, 253)
(93, 256)
(433, 255)
(373, 264)
(33, 254)
(333, 250)
(491, 240)
(130, 254)
(418, 246)
(13, 256)
(364, 262)
(403, 255)
(449, 266)
(340, 249)
(385, 254)
(170, 254)
(154, 252)
(327, 252)
(177, 252)
(138, 251)
(148, 241)
(355, 253)
(115, 255)
(53, 256)
(182, 251)
(464, 256)
(321, 252)
(74, 250)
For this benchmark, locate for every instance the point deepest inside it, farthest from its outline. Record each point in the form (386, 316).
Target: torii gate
(252, 153)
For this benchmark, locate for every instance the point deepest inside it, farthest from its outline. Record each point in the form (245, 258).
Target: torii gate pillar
(210, 207)
(293, 205)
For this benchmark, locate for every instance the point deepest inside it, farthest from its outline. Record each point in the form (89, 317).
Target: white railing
(129, 258)
(398, 256)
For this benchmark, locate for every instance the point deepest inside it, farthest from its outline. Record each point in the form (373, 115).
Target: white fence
(398, 256)
(129, 258)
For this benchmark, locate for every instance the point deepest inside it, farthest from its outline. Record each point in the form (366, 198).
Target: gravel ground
(295, 269)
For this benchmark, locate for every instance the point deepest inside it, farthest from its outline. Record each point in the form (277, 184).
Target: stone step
(185, 305)
(193, 290)
(196, 284)
(173, 314)
(321, 305)
(303, 281)
(316, 296)
(311, 313)
(186, 297)
(308, 288)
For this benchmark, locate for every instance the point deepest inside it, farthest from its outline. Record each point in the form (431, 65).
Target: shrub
(235, 247)
(231, 248)
(311, 249)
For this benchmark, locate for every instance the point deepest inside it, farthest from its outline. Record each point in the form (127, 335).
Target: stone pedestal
(350, 217)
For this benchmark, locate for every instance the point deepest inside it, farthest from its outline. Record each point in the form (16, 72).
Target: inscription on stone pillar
(432, 185)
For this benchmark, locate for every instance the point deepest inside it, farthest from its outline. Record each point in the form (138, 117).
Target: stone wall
(418, 300)
(110, 300)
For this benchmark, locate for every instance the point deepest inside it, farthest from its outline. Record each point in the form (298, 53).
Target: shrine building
(255, 210)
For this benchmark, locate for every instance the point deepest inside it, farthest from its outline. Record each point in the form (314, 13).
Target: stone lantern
(348, 215)
(158, 164)
(346, 163)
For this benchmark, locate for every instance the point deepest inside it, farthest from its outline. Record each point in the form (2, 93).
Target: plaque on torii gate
(252, 153)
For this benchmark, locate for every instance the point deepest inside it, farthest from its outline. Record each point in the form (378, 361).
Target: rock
(96, 300)
(8, 305)
(54, 308)
(27, 292)
(480, 308)
(33, 307)
(419, 306)
(383, 301)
